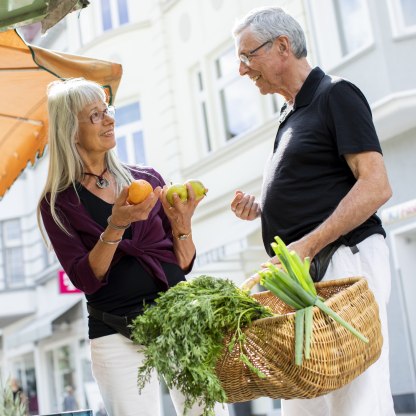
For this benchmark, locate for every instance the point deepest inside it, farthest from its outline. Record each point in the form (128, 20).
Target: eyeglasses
(98, 116)
(246, 58)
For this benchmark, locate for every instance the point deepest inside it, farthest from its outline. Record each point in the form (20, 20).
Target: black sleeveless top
(129, 285)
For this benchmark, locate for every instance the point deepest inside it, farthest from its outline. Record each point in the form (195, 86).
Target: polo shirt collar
(307, 91)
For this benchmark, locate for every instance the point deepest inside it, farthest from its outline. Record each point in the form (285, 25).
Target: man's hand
(245, 206)
(302, 247)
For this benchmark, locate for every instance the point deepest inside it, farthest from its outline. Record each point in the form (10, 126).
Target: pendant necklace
(101, 182)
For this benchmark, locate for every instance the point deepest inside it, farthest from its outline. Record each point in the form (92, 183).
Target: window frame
(220, 83)
(201, 100)
(399, 28)
(331, 22)
(12, 276)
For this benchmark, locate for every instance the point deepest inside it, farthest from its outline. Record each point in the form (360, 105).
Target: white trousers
(368, 394)
(115, 362)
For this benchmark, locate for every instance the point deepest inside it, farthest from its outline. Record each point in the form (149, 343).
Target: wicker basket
(337, 356)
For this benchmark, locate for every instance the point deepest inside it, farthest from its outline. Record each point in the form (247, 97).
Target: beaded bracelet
(117, 227)
(109, 241)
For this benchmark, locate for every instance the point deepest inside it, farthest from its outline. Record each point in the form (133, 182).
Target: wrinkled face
(265, 66)
(96, 129)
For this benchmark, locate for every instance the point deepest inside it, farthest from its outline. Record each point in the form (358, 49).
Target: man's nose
(243, 68)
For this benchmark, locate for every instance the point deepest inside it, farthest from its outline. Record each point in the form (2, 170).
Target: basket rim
(351, 281)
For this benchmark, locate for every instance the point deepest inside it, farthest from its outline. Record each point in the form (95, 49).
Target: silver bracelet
(109, 241)
(117, 227)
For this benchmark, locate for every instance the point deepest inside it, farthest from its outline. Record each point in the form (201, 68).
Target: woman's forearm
(184, 249)
(101, 255)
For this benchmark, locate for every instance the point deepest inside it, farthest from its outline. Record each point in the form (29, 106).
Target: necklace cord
(101, 182)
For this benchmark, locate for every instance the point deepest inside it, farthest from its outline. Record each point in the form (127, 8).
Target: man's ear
(283, 44)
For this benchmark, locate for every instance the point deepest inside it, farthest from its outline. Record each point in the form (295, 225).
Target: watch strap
(183, 236)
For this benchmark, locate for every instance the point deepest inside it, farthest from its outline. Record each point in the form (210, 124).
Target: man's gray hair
(269, 23)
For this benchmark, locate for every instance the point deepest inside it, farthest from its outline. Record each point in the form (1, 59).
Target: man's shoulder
(337, 87)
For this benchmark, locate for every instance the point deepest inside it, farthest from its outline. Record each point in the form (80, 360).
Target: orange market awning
(25, 72)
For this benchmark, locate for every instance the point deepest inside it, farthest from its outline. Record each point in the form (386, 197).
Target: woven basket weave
(337, 356)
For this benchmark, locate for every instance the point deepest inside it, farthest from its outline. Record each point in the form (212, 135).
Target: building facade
(183, 109)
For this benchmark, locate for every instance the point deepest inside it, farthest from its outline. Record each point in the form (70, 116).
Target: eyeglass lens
(98, 116)
(245, 58)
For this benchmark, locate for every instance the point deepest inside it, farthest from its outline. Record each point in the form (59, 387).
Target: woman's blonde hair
(66, 98)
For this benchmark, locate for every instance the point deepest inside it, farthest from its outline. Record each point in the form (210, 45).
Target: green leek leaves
(294, 286)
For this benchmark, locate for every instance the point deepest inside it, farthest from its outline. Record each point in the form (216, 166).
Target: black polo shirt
(306, 176)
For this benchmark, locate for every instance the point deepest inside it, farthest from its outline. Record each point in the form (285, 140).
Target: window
(114, 13)
(11, 230)
(2, 277)
(239, 98)
(201, 97)
(403, 15)
(352, 19)
(12, 264)
(123, 14)
(130, 141)
(60, 371)
(348, 22)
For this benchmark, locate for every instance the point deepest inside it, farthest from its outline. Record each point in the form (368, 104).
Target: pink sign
(65, 285)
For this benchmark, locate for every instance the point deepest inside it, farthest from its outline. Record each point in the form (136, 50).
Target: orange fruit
(139, 190)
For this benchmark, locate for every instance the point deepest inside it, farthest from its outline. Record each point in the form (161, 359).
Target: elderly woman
(119, 254)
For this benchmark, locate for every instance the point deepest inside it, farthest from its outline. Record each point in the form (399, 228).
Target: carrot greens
(183, 336)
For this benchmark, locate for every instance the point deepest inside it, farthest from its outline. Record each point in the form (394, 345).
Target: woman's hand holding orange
(125, 213)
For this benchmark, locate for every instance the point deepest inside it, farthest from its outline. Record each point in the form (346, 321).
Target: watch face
(183, 236)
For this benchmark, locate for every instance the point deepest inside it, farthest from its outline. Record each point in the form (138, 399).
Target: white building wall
(161, 49)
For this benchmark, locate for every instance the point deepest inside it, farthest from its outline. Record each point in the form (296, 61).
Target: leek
(293, 285)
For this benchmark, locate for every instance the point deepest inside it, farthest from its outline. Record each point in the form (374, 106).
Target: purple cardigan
(151, 241)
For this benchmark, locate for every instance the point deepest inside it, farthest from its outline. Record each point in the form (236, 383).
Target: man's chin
(264, 87)
(265, 91)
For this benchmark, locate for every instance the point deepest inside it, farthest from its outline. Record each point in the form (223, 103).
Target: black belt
(116, 322)
(320, 262)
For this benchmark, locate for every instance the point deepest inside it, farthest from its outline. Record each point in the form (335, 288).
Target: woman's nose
(108, 119)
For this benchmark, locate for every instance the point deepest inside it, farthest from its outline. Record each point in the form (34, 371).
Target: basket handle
(249, 283)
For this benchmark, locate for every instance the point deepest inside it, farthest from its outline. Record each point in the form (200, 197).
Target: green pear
(198, 187)
(177, 188)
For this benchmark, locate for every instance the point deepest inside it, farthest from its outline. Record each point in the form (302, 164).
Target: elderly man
(323, 183)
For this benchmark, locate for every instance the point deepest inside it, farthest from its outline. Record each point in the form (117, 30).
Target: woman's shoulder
(66, 198)
(148, 173)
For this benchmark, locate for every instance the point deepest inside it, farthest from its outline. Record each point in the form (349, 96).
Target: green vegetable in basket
(294, 286)
(183, 336)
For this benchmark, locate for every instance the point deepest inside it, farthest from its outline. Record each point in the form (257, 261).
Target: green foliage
(183, 335)
(8, 406)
